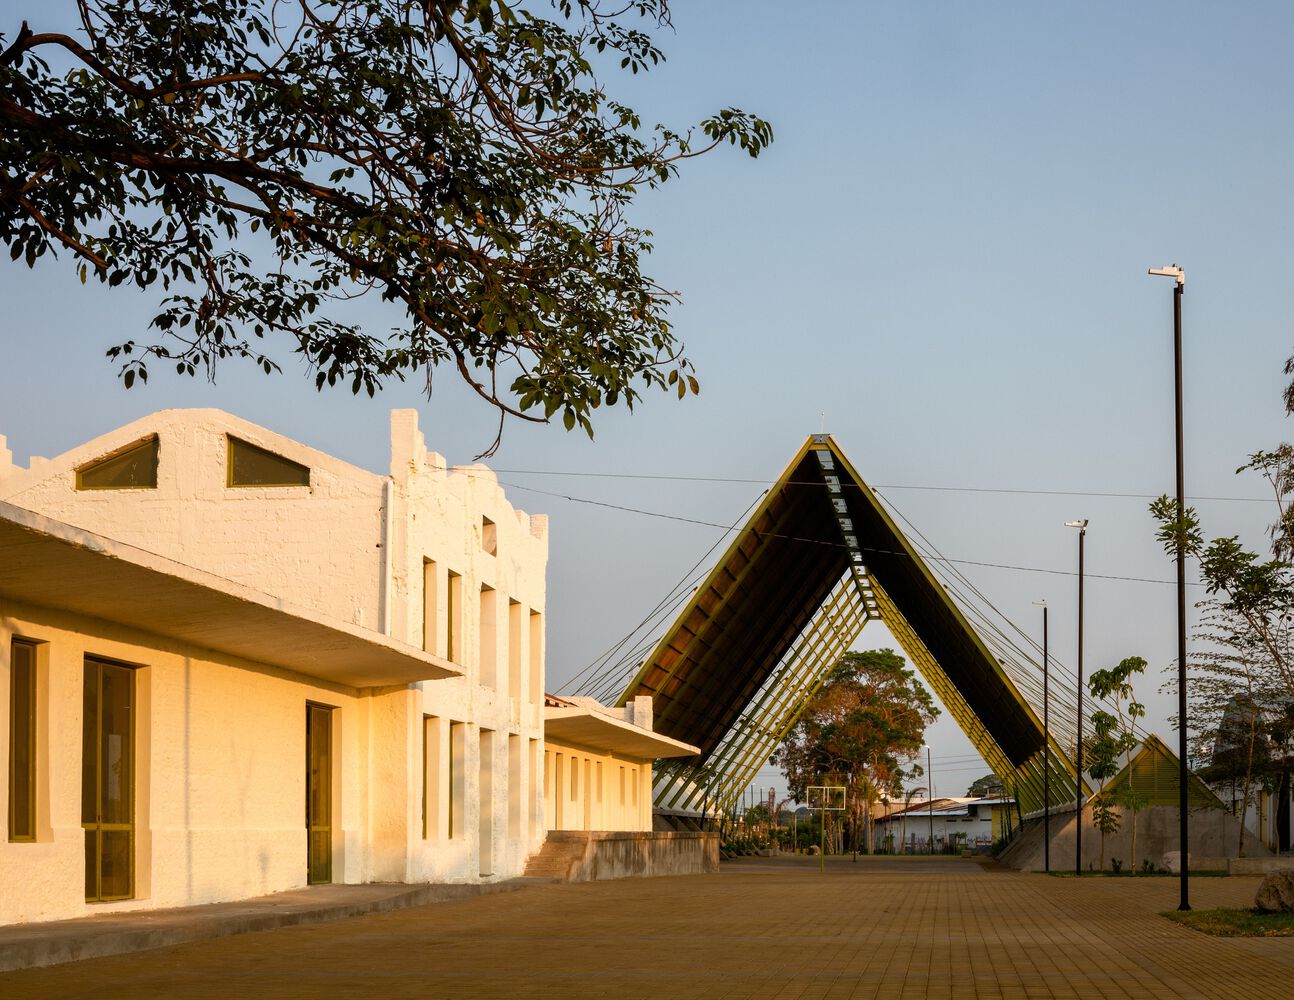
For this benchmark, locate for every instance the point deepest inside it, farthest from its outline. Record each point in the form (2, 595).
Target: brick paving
(883, 928)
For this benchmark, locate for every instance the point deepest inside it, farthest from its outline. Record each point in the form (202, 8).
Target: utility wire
(1109, 494)
(818, 541)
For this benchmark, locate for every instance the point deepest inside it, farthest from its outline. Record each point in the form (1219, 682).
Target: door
(108, 780)
(319, 793)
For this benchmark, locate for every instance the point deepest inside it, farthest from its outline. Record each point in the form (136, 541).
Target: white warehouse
(205, 624)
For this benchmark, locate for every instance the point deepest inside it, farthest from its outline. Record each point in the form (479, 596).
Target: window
(516, 614)
(489, 665)
(22, 741)
(514, 786)
(453, 604)
(575, 777)
(252, 466)
(456, 777)
(429, 609)
(536, 656)
(431, 779)
(489, 537)
(134, 468)
(108, 780)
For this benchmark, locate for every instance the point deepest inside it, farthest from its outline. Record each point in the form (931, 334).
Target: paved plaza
(887, 928)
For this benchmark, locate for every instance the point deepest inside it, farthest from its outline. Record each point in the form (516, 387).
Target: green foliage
(1243, 677)
(260, 163)
(987, 786)
(1110, 746)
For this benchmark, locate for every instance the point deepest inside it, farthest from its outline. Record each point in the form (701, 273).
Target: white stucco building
(237, 665)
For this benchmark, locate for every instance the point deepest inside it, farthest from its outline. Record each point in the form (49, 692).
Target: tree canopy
(862, 729)
(989, 785)
(261, 162)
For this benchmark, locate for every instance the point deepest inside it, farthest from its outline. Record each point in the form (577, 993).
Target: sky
(941, 261)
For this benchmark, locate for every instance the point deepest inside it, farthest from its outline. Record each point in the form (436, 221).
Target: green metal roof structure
(818, 559)
(1154, 774)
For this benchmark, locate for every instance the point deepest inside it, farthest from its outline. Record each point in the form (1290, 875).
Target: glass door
(108, 780)
(319, 793)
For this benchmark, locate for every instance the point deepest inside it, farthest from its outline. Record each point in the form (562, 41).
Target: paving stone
(877, 928)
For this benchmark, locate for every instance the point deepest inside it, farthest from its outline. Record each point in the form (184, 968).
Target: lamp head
(1080, 525)
(1171, 271)
(1040, 604)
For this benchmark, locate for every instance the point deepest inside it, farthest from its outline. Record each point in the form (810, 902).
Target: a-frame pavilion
(818, 559)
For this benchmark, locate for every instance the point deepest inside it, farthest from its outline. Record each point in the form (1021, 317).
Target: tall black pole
(1078, 746)
(1046, 753)
(1183, 821)
(930, 780)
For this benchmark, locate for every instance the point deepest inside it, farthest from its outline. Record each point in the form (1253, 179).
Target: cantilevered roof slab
(51, 564)
(819, 558)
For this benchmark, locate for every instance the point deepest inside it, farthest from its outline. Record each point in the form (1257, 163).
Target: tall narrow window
(489, 537)
(536, 656)
(108, 780)
(514, 786)
(22, 740)
(319, 805)
(489, 637)
(252, 466)
(134, 468)
(431, 777)
(456, 777)
(485, 818)
(533, 788)
(453, 608)
(516, 613)
(430, 600)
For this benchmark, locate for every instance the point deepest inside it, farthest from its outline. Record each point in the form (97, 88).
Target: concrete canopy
(592, 729)
(48, 563)
(816, 560)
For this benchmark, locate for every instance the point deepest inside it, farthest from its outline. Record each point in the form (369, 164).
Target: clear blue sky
(943, 255)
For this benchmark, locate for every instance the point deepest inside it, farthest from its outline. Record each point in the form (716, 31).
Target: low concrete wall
(638, 854)
(1257, 866)
(1215, 836)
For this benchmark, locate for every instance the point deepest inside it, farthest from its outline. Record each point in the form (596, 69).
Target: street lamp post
(1179, 287)
(930, 806)
(1046, 749)
(1078, 743)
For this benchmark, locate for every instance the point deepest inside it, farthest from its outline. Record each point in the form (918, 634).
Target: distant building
(598, 764)
(970, 822)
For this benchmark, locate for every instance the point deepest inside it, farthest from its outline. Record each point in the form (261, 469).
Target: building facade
(237, 665)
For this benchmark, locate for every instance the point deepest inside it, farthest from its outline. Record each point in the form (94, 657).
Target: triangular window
(134, 468)
(253, 466)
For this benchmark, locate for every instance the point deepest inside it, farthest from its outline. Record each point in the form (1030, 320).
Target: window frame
(152, 441)
(31, 711)
(232, 440)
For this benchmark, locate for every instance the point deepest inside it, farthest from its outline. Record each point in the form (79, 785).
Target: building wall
(318, 546)
(372, 550)
(219, 773)
(979, 830)
(588, 790)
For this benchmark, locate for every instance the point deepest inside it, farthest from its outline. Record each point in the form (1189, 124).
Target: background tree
(864, 725)
(262, 161)
(1238, 705)
(1256, 592)
(1249, 613)
(986, 786)
(1109, 749)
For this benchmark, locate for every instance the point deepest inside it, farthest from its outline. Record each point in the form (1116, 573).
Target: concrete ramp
(1214, 833)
